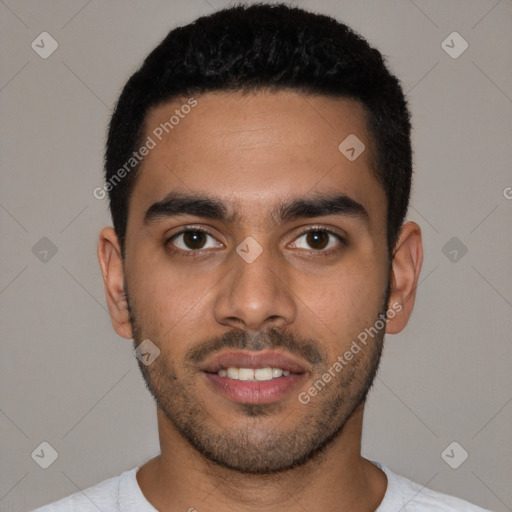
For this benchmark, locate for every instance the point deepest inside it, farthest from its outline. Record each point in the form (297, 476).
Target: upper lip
(248, 359)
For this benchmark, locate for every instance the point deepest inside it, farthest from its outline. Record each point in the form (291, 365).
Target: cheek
(167, 299)
(343, 304)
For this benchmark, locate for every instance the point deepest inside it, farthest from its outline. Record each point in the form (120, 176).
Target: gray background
(69, 380)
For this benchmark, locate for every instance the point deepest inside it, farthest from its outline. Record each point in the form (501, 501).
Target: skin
(248, 151)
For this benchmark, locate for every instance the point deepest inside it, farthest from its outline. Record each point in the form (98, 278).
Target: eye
(194, 240)
(318, 240)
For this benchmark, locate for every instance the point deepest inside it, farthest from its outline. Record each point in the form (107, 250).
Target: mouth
(254, 377)
(253, 374)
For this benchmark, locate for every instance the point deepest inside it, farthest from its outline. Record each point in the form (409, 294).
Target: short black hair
(266, 47)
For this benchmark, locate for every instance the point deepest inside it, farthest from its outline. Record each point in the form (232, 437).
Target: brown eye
(318, 240)
(194, 240)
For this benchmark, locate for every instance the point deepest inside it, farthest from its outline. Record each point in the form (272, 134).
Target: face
(255, 257)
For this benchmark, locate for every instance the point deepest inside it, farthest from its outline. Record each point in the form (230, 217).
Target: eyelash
(198, 252)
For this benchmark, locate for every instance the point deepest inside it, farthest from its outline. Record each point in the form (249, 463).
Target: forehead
(250, 150)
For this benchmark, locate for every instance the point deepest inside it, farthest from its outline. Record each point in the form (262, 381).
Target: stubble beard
(254, 448)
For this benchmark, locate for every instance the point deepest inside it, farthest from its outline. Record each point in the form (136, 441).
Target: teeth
(254, 375)
(277, 372)
(263, 374)
(245, 374)
(233, 373)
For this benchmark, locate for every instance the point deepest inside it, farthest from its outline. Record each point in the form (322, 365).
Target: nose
(255, 294)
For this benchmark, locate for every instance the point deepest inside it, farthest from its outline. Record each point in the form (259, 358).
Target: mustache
(272, 338)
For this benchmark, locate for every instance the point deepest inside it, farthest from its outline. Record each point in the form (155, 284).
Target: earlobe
(111, 263)
(405, 272)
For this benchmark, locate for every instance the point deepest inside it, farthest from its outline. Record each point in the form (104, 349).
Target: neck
(337, 479)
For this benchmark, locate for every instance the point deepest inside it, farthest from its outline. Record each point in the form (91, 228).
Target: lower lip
(248, 392)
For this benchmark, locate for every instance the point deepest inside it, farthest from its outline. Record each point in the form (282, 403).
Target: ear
(405, 272)
(111, 263)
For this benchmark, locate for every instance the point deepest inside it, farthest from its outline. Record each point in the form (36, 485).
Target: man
(259, 168)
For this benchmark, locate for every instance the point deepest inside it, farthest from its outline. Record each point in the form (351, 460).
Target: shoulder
(103, 496)
(412, 497)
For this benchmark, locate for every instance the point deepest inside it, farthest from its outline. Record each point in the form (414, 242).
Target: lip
(246, 392)
(260, 392)
(247, 359)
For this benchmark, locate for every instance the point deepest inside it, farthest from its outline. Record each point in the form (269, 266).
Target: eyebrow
(178, 203)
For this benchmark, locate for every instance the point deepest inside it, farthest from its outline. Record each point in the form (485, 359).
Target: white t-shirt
(122, 494)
